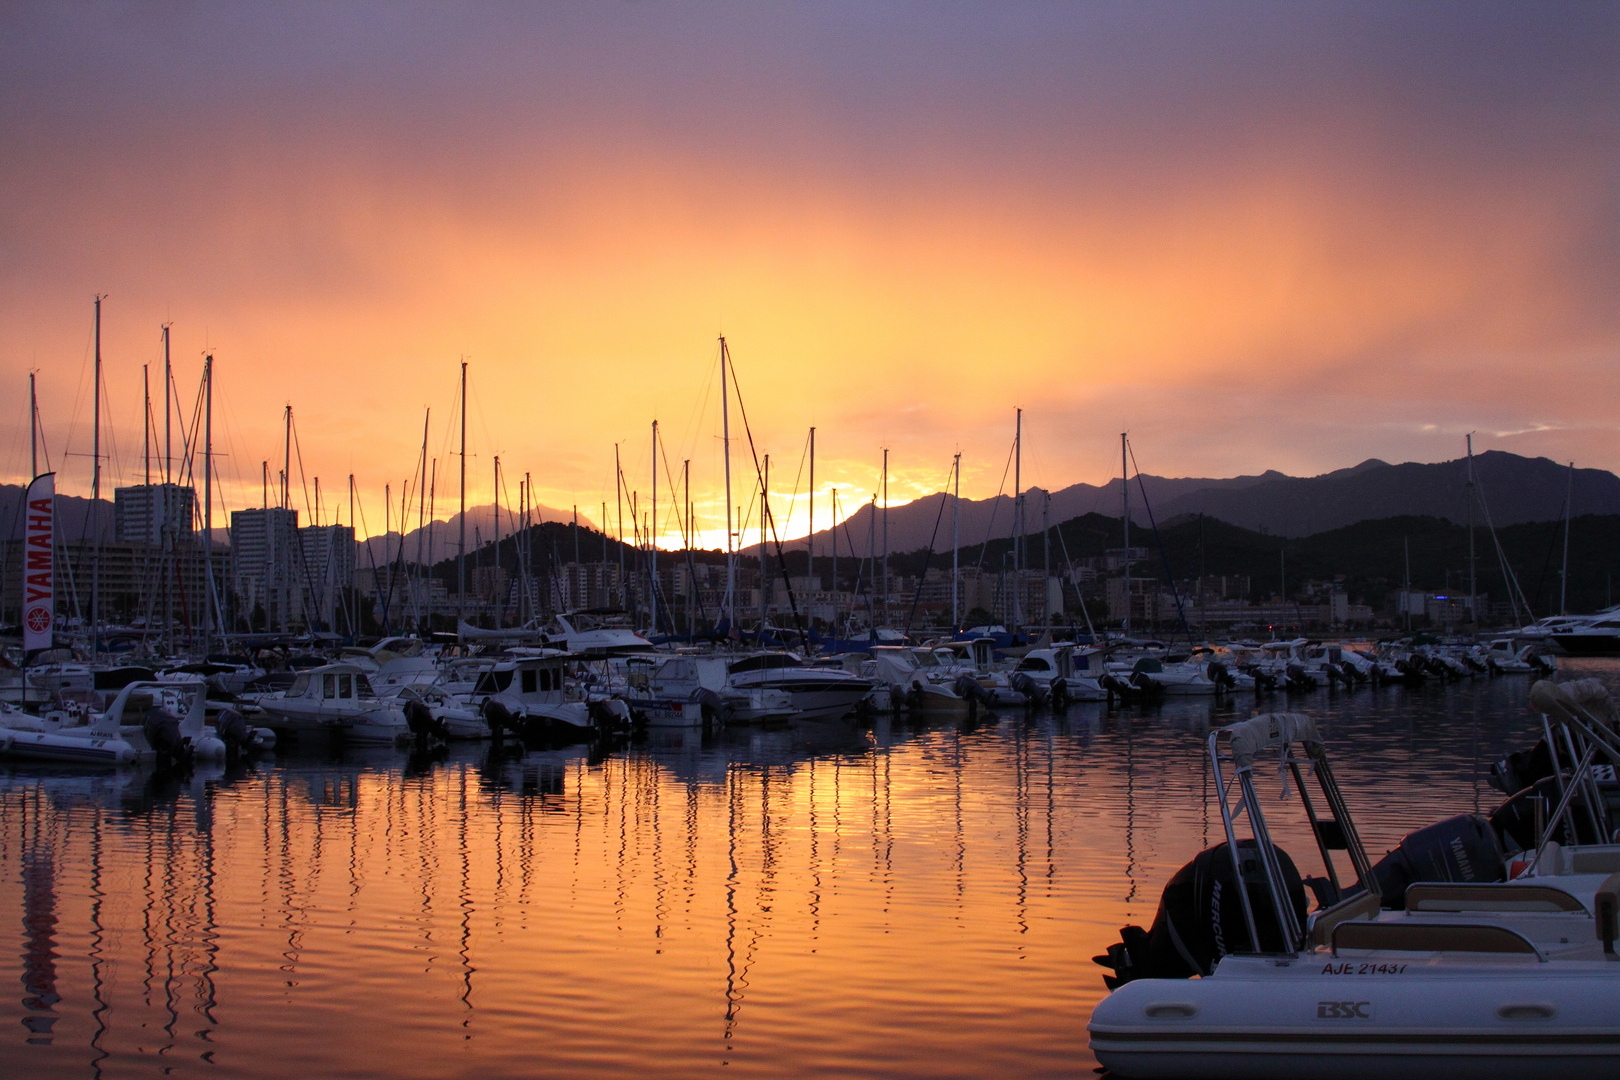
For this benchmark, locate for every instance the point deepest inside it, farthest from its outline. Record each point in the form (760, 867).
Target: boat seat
(1361, 906)
(1431, 937)
(1598, 860)
(1496, 896)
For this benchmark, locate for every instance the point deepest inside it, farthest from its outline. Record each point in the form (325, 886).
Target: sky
(1255, 236)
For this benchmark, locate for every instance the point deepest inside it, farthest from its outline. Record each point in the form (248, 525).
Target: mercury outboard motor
(1200, 918)
(162, 730)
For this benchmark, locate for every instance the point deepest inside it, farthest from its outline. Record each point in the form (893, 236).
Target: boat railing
(1574, 732)
(1232, 752)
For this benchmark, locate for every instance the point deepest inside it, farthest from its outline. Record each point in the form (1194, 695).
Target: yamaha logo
(39, 620)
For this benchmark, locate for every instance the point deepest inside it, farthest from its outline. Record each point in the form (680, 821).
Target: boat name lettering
(1344, 1010)
(1348, 968)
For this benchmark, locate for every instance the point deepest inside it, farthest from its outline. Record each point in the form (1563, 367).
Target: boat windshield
(764, 662)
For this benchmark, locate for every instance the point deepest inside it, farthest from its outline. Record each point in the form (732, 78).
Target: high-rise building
(142, 512)
(265, 553)
(325, 567)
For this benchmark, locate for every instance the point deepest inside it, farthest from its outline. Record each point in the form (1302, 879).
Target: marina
(880, 898)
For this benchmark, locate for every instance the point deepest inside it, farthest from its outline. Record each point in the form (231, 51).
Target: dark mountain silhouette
(1515, 489)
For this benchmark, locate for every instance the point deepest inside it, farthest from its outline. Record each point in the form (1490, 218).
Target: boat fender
(1459, 849)
(1200, 919)
(162, 730)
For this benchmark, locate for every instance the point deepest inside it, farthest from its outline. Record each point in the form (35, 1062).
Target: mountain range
(1513, 490)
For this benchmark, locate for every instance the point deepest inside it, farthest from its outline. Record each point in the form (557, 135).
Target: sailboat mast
(618, 495)
(725, 439)
(461, 545)
(95, 498)
(810, 535)
(885, 536)
(146, 425)
(286, 468)
(1125, 492)
(1569, 508)
(33, 429)
(764, 578)
(168, 377)
(686, 542)
(208, 493)
(495, 559)
(956, 541)
(421, 507)
(1018, 520)
(652, 543)
(652, 537)
(1472, 590)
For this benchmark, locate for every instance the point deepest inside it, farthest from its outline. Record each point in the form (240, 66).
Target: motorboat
(146, 720)
(446, 716)
(690, 690)
(592, 632)
(1482, 977)
(818, 692)
(336, 700)
(529, 693)
(914, 677)
(394, 662)
(1600, 636)
(1505, 656)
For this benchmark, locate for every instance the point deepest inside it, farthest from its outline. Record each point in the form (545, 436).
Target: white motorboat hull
(76, 749)
(1371, 1015)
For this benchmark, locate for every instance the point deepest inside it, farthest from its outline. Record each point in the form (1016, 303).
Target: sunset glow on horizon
(1254, 236)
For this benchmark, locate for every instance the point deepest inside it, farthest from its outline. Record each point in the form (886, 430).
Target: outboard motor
(423, 724)
(162, 730)
(1352, 676)
(1459, 849)
(1034, 693)
(1411, 672)
(1298, 679)
(1119, 688)
(1218, 675)
(234, 732)
(1200, 918)
(715, 707)
(1060, 694)
(499, 718)
(1522, 768)
(1514, 822)
(605, 719)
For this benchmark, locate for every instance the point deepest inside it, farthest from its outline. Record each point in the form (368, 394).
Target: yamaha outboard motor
(1459, 849)
(1200, 918)
(162, 730)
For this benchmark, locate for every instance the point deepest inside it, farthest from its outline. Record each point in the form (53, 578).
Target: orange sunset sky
(1254, 235)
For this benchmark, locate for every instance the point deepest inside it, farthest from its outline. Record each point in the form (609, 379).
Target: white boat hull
(1373, 1015)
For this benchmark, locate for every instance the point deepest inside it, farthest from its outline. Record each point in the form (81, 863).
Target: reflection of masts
(1130, 809)
(1021, 817)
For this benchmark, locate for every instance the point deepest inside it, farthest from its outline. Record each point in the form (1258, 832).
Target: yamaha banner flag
(39, 566)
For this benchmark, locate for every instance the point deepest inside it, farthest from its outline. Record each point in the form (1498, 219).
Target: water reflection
(895, 900)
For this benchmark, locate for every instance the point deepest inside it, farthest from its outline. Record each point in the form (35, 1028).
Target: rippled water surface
(878, 901)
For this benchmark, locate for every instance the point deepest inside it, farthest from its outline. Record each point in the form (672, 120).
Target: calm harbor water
(833, 900)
